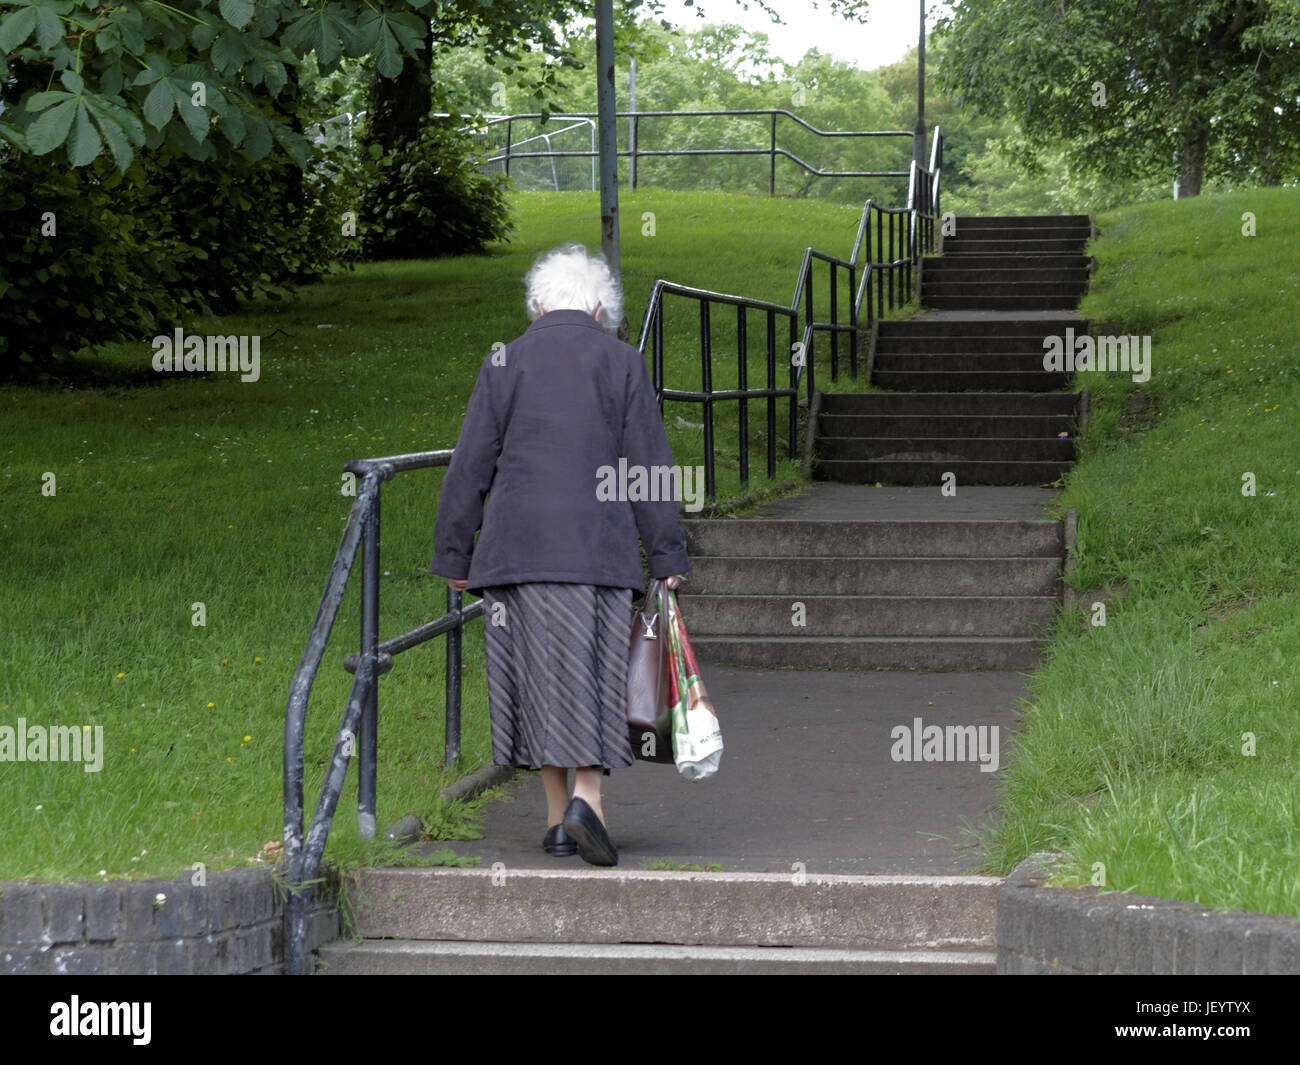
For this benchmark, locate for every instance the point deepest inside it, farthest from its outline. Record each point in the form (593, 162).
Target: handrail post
(368, 741)
(742, 383)
(509, 139)
(835, 321)
(657, 357)
(812, 337)
(632, 157)
(771, 400)
(771, 181)
(893, 260)
(794, 386)
(706, 369)
(451, 738)
(881, 269)
(853, 321)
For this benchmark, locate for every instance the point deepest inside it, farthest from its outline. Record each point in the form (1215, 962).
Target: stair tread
(740, 638)
(460, 946)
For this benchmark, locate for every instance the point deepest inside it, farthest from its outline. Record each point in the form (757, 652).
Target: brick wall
(234, 923)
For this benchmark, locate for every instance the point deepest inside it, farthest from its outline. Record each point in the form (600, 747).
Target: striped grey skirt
(557, 674)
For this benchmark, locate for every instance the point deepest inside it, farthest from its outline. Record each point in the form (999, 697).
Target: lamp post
(918, 138)
(607, 139)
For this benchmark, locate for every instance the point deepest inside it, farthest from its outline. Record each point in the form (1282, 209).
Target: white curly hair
(567, 278)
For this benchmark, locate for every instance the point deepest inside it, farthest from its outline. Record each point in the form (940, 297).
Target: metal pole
(368, 746)
(608, 134)
(918, 139)
(706, 373)
(742, 382)
(631, 124)
(771, 181)
(451, 736)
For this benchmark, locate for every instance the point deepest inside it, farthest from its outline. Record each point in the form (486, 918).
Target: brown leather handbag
(649, 713)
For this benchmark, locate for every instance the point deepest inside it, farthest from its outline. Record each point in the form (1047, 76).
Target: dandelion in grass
(120, 676)
(211, 705)
(248, 739)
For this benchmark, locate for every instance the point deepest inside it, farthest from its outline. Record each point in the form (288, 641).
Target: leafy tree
(1127, 86)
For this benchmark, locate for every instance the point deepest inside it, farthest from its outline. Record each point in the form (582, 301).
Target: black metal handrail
(634, 153)
(901, 236)
(358, 731)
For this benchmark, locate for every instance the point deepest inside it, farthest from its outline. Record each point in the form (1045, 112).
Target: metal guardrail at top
(901, 235)
(634, 153)
(322, 132)
(358, 731)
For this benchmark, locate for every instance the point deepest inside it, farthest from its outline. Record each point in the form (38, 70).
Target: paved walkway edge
(1042, 930)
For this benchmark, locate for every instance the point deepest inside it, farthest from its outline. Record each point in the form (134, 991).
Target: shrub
(428, 201)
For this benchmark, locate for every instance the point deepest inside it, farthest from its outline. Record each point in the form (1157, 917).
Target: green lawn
(204, 490)
(1135, 749)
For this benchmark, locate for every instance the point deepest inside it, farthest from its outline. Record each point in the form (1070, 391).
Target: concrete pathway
(807, 775)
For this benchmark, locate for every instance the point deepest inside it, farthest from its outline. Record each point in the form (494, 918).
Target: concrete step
(950, 404)
(613, 906)
(956, 271)
(986, 343)
(1077, 233)
(971, 326)
(968, 473)
(999, 361)
(973, 284)
(962, 449)
(796, 577)
(867, 615)
(932, 426)
(933, 264)
(1015, 221)
(382, 957)
(771, 537)
(1005, 302)
(1039, 380)
(944, 653)
(1031, 244)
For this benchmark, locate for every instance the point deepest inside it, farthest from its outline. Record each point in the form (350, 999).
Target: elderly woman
(557, 561)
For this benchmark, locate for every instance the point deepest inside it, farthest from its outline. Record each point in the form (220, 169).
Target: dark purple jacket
(552, 408)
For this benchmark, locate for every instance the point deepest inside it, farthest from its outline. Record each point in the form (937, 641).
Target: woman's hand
(455, 585)
(673, 582)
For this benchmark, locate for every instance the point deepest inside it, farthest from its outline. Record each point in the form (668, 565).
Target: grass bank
(1160, 748)
(166, 543)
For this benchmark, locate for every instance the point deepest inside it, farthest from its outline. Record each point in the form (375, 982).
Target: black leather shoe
(581, 822)
(558, 843)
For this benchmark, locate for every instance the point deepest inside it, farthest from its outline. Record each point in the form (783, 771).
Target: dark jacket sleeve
(645, 443)
(467, 481)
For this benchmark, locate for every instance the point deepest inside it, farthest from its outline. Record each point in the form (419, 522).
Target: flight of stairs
(944, 595)
(968, 404)
(982, 438)
(1009, 263)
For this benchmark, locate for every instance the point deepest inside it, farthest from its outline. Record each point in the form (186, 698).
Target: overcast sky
(891, 31)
